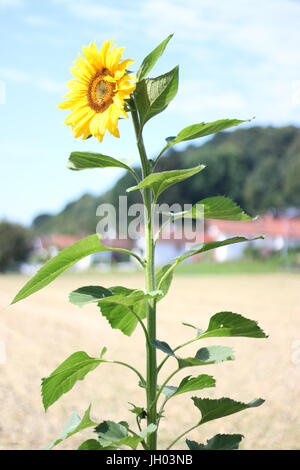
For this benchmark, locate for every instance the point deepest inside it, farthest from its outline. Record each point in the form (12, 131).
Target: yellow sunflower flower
(97, 96)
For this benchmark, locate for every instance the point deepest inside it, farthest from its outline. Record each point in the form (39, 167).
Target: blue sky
(237, 59)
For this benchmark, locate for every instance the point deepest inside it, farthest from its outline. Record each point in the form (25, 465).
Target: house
(48, 246)
(282, 233)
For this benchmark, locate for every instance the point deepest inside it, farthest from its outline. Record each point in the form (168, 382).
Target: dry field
(41, 331)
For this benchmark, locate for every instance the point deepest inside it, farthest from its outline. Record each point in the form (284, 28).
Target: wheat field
(43, 330)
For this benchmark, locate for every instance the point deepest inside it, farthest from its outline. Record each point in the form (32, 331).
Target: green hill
(258, 167)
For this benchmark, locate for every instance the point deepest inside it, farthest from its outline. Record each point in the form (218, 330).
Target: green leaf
(203, 247)
(88, 294)
(214, 409)
(208, 355)
(168, 280)
(60, 263)
(116, 434)
(63, 378)
(159, 182)
(218, 442)
(110, 432)
(88, 160)
(219, 207)
(232, 324)
(91, 444)
(205, 128)
(162, 346)
(124, 306)
(151, 59)
(222, 208)
(189, 384)
(152, 95)
(148, 430)
(73, 426)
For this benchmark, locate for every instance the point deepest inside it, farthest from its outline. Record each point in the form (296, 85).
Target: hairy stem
(151, 365)
(163, 386)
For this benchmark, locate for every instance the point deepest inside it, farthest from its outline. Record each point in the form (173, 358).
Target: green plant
(124, 308)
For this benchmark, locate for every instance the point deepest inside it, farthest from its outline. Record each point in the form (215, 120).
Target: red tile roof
(267, 225)
(61, 241)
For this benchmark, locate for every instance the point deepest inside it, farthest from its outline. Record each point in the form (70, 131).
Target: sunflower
(98, 93)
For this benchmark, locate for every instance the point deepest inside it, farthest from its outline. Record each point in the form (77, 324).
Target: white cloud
(8, 74)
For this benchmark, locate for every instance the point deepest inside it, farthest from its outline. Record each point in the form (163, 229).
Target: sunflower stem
(151, 364)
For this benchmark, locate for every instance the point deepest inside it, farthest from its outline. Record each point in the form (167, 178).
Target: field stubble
(43, 330)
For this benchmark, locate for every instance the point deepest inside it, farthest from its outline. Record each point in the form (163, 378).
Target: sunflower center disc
(102, 90)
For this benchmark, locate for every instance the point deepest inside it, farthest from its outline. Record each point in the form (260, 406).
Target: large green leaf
(151, 59)
(214, 409)
(219, 207)
(159, 182)
(60, 263)
(190, 384)
(204, 128)
(232, 324)
(203, 247)
(218, 442)
(116, 434)
(88, 294)
(64, 377)
(152, 95)
(124, 306)
(206, 356)
(63, 261)
(88, 160)
(73, 426)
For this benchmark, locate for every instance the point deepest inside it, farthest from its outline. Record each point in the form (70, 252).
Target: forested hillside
(258, 167)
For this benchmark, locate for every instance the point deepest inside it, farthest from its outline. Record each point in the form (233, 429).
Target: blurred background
(238, 59)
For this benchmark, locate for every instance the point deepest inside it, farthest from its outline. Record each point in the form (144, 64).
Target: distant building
(280, 234)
